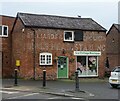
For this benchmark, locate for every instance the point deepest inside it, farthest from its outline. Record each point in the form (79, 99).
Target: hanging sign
(87, 53)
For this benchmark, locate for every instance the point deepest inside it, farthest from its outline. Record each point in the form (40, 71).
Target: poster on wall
(87, 65)
(92, 65)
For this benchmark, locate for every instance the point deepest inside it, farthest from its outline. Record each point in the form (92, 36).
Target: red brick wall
(51, 40)
(20, 51)
(7, 70)
(112, 44)
(96, 41)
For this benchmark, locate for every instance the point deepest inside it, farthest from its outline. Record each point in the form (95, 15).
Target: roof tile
(49, 21)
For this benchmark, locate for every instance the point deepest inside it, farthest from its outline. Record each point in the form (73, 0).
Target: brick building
(113, 45)
(58, 44)
(6, 24)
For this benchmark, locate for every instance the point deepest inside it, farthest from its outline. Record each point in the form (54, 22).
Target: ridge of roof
(53, 21)
(7, 16)
(117, 26)
(19, 13)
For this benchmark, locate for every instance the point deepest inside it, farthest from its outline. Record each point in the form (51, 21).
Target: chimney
(79, 16)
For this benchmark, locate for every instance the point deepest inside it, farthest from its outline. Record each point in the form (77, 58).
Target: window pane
(92, 65)
(5, 30)
(42, 59)
(68, 35)
(0, 30)
(48, 59)
(81, 65)
(78, 35)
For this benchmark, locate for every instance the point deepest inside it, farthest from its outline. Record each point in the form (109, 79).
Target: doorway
(62, 67)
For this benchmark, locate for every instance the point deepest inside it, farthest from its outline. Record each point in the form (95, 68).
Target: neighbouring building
(113, 45)
(58, 44)
(6, 24)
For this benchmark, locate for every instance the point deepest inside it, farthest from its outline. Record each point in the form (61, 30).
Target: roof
(60, 22)
(7, 16)
(117, 26)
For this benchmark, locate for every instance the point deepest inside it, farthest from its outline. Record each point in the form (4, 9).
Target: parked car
(114, 78)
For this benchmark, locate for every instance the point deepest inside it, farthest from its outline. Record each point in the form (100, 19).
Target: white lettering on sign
(48, 36)
(89, 47)
(53, 40)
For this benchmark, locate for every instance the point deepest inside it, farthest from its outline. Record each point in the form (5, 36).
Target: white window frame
(72, 36)
(46, 59)
(3, 31)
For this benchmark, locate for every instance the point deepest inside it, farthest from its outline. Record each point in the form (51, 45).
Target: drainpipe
(34, 63)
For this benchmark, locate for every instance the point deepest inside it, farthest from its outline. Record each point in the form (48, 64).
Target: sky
(105, 12)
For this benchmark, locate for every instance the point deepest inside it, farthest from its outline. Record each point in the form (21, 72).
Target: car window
(116, 70)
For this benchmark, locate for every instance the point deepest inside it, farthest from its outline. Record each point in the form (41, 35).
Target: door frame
(67, 67)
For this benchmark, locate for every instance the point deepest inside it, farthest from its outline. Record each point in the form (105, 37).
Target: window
(45, 59)
(4, 31)
(87, 65)
(78, 35)
(68, 36)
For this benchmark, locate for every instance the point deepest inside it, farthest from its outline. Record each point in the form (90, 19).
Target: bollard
(76, 81)
(16, 74)
(44, 78)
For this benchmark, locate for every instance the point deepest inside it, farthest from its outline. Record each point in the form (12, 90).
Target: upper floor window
(3, 31)
(45, 59)
(78, 35)
(68, 36)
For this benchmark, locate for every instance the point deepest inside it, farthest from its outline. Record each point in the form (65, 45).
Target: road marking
(77, 98)
(66, 97)
(54, 98)
(15, 89)
(91, 94)
(23, 96)
(8, 92)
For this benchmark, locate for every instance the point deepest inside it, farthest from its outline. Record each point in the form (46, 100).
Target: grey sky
(105, 13)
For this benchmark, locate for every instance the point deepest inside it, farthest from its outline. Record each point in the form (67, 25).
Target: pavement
(59, 87)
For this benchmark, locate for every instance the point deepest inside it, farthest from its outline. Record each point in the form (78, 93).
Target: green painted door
(62, 67)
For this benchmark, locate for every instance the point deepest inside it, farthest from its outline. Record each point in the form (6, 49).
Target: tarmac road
(100, 90)
(9, 95)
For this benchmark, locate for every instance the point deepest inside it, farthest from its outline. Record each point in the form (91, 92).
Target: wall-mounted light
(23, 30)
